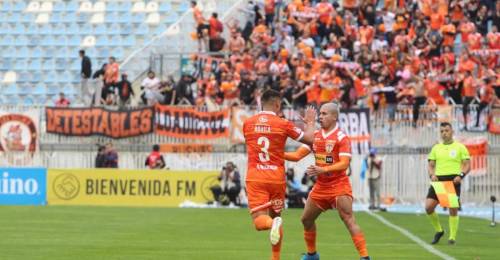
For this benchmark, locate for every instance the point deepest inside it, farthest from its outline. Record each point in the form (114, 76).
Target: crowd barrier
(382, 133)
(404, 176)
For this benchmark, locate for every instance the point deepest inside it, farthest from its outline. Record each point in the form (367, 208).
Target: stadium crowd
(358, 53)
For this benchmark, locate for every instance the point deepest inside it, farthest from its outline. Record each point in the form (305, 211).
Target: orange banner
(186, 148)
(478, 149)
(189, 123)
(99, 121)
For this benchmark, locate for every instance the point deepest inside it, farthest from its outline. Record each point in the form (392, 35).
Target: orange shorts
(325, 197)
(260, 193)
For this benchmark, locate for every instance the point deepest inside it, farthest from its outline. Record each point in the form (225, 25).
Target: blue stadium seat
(37, 52)
(35, 64)
(172, 17)
(160, 29)
(45, 29)
(126, 29)
(23, 76)
(72, 6)
(113, 7)
(65, 76)
(23, 52)
(48, 40)
(10, 52)
(37, 77)
(5, 28)
(165, 7)
(28, 18)
(82, 17)
(104, 53)
(119, 53)
(102, 41)
(42, 99)
(111, 17)
(61, 64)
(21, 64)
(5, 63)
(7, 40)
(49, 52)
(40, 89)
(138, 18)
(28, 101)
(70, 18)
(21, 40)
(52, 89)
(75, 40)
(115, 41)
(32, 29)
(61, 41)
(51, 77)
(59, 29)
(34, 40)
(63, 52)
(183, 7)
(75, 78)
(19, 29)
(11, 90)
(114, 29)
(14, 17)
(100, 29)
(125, 6)
(49, 65)
(56, 18)
(7, 7)
(142, 29)
(73, 29)
(76, 64)
(124, 18)
(19, 6)
(59, 7)
(86, 29)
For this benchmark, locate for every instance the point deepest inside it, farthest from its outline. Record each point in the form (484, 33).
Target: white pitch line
(409, 235)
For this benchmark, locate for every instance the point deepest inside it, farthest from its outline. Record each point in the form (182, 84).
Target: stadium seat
(62, 52)
(102, 41)
(165, 7)
(23, 52)
(21, 40)
(42, 18)
(5, 64)
(114, 29)
(34, 41)
(10, 77)
(24, 76)
(37, 52)
(19, 6)
(45, 29)
(104, 53)
(19, 29)
(153, 19)
(75, 40)
(7, 6)
(129, 41)
(73, 29)
(85, 7)
(183, 7)
(83, 17)
(125, 6)
(86, 29)
(89, 41)
(61, 63)
(100, 7)
(60, 29)
(113, 7)
(160, 29)
(49, 65)
(76, 64)
(35, 65)
(37, 77)
(61, 41)
(69, 18)
(10, 52)
(32, 29)
(139, 7)
(72, 6)
(115, 40)
(152, 7)
(27, 18)
(172, 17)
(100, 29)
(97, 18)
(119, 53)
(7, 41)
(51, 77)
(126, 29)
(52, 90)
(14, 18)
(28, 101)
(56, 18)
(49, 52)
(142, 29)
(59, 7)
(33, 7)
(46, 7)
(138, 18)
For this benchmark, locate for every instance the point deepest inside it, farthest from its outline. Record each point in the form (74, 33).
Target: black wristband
(462, 175)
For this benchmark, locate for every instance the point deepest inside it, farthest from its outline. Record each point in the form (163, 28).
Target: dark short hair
(82, 52)
(270, 94)
(193, 2)
(215, 15)
(156, 148)
(444, 124)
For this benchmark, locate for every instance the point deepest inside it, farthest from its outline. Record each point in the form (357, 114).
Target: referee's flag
(445, 191)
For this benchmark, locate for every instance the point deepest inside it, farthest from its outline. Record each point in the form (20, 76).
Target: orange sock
(277, 248)
(360, 244)
(263, 222)
(310, 238)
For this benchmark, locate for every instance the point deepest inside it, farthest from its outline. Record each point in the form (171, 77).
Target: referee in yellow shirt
(448, 161)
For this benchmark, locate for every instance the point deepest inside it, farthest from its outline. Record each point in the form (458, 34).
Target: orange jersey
(265, 138)
(327, 148)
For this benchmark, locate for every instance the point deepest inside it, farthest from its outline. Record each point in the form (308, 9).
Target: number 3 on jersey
(264, 142)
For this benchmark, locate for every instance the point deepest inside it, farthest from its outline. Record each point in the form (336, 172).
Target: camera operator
(230, 185)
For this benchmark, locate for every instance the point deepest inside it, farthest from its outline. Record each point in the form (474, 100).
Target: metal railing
(404, 176)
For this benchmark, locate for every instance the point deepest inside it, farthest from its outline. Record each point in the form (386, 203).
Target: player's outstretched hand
(310, 115)
(314, 170)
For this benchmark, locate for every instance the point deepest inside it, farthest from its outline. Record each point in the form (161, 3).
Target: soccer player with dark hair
(448, 161)
(332, 152)
(265, 136)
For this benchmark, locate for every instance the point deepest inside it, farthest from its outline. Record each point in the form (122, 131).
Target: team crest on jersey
(453, 153)
(329, 146)
(263, 119)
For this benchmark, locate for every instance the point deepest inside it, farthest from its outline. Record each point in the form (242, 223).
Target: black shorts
(432, 194)
(200, 28)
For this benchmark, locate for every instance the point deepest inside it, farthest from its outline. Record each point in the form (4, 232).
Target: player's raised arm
(310, 121)
(300, 153)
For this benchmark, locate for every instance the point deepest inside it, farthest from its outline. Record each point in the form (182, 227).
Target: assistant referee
(448, 161)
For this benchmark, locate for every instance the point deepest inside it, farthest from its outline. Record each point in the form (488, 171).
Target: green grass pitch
(200, 234)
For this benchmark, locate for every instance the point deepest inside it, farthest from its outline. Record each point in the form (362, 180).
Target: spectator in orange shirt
(486, 94)
(436, 19)
(112, 73)
(201, 27)
(474, 40)
(216, 42)
(493, 38)
(465, 28)
(366, 33)
(469, 93)
(449, 31)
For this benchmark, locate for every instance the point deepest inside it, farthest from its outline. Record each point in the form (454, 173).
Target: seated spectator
(230, 185)
(155, 159)
(62, 101)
